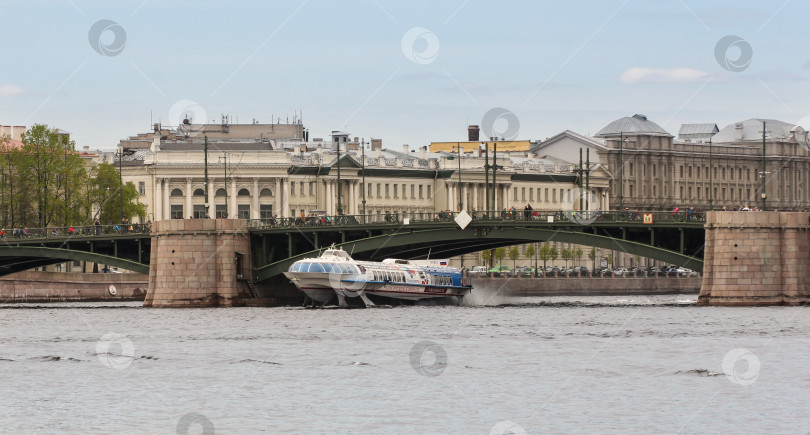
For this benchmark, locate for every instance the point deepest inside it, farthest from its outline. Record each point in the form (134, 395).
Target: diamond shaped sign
(463, 219)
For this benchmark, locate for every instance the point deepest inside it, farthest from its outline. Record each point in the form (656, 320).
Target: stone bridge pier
(198, 263)
(756, 259)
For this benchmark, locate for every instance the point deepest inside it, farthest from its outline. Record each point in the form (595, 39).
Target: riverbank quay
(34, 286)
(523, 287)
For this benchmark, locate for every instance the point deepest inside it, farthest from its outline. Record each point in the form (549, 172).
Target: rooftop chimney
(422, 152)
(472, 133)
(376, 144)
(405, 149)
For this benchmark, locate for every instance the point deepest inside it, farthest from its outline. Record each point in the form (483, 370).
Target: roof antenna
(428, 257)
(352, 252)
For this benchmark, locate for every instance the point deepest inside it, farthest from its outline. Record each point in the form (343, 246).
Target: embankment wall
(30, 286)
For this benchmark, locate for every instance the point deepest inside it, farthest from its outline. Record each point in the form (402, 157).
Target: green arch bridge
(674, 238)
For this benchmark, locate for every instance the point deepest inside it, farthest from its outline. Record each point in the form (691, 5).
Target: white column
(157, 200)
(188, 209)
(164, 199)
(353, 197)
(254, 200)
(232, 200)
(330, 197)
(211, 192)
(464, 190)
(475, 196)
(286, 199)
(277, 205)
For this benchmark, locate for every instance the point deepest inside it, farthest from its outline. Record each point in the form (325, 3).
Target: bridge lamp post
(458, 156)
(121, 181)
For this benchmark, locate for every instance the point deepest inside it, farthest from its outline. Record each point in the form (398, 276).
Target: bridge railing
(74, 231)
(544, 216)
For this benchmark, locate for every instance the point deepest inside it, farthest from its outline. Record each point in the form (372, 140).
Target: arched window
(177, 192)
(266, 192)
(243, 192)
(199, 192)
(220, 192)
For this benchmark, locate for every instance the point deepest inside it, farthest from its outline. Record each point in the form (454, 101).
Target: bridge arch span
(441, 243)
(19, 258)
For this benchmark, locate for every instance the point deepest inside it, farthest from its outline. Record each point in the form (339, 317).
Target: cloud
(10, 90)
(652, 75)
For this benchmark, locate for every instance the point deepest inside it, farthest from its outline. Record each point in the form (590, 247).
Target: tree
(578, 254)
(554, 253)
(500, 253)
(530, 251)
(566, 255)
(106, 196)
(545, 254)
(486, 256)
(513, 255)
(610, 259)
(592, 257)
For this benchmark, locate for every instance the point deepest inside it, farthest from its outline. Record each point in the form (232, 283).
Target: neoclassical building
(254, 175)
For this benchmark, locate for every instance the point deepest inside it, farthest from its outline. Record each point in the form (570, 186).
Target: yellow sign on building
(505, 146)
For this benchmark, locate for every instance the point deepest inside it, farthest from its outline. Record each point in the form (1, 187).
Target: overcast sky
(405, 71)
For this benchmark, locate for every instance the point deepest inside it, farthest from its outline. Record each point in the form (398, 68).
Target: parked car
(499, 269)
(478, 271)
(672, 271)
(621, 272)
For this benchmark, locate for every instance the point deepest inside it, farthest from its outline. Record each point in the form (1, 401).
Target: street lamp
(121, 180)
(458, 154)
(224, 160)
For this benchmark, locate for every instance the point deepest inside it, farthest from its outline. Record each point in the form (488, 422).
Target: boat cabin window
(316, 267)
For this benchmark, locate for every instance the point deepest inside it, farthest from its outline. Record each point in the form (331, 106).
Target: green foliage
(578, 254)
(545, 253)
(107, 197)
(566, 255)
(500, 254)
(513, 255)
(486, 256)
(45, 183)
(610, 259)
(530, 251)
(554, 253)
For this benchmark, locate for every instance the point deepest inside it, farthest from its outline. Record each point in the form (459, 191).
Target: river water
(532, 365)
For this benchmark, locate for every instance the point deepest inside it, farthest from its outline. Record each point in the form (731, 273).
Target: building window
(680, 192)
(655, 167)
(546, 194)
(631, 190)
(631, 169)
(724, 173)
(655, 190)
(141, 188)
(243, 211)
(420, 192)
(311, 189)
(689, 191)
(176, 192)
(292, 188)
(531, 194)
(386, 191)
(413, 189)
(553, 195)
(243, 192)
(266, 211)
(523, 194)
(429, 193)
(690, 172)
(724, 194)
(177, 211)
(378, 191)
(199, 211)
(221, 211)
(562, 194)
(396, 191)
(404, 192)
(681, 171)
(514, 193)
